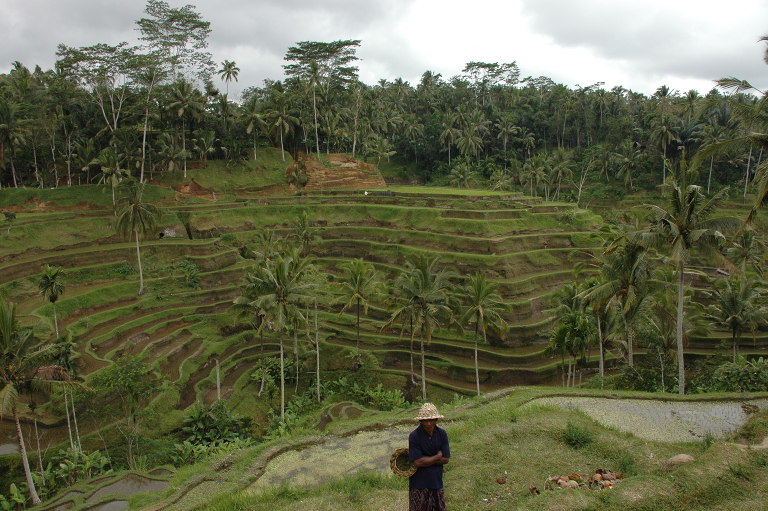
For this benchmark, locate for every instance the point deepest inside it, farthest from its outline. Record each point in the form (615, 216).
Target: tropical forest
(231, 302)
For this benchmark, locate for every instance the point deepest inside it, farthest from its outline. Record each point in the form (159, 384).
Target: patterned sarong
(425, 499)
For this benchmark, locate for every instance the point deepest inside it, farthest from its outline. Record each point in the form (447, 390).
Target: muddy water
(663, 421)
(112, 505)
(49, 436)
(367, 451)
(129, 485)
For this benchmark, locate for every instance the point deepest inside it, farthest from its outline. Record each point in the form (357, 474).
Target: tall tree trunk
(602, 353)
(296, 358)
(69, 424)
(711, 164)
(413, 374)
(746, 176)
(354, 128)
(74, 421)
(477, 367)
(184, 145)
(282, 381)
(317, 354)
(680, 355)
(138, 260)
(24, 460)
(317, 137)
(357, 347)
(34, 164)
(218, 381)
(13, 171)
(55, 320)
(146, 127)
(423, 373)
(630, 343)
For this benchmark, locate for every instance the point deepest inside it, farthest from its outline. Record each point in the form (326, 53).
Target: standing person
(427, 449)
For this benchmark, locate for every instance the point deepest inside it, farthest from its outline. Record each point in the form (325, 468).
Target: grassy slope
(492, 437)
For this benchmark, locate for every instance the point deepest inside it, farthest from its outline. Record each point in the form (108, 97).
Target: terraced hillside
(526, 247)
(184, 327)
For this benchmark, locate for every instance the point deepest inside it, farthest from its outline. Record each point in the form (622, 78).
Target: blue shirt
(420, 444)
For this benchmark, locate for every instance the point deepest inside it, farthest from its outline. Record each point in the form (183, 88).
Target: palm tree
(253, 117)
(450, 133)
(277, 292)
(663, 135)
(228, 71)
(506, 129)
(51, 286)
(186, 102)
(575, 329)
(136, 218)
(22, 366)
(738, 305)
(747, 248)
(282, 122)
(483, 306)
(683, 226)
(624, 284)
(111, 173)
(314, 78)
(429, 291)
(462, 175)
(359, 286)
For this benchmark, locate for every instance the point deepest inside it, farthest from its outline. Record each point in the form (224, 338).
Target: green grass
(494, 438)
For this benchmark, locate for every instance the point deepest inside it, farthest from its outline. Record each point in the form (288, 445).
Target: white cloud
(638, 44)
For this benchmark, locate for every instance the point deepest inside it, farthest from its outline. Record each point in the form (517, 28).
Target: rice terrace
(226, 303)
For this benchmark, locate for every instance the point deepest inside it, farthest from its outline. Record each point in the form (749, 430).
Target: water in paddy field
(49, 436)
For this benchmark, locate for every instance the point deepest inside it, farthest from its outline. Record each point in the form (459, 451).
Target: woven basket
(400, 464)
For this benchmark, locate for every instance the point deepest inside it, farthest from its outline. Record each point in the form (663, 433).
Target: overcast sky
(640, 44)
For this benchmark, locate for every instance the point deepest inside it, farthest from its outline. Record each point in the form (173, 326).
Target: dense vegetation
(263, 309)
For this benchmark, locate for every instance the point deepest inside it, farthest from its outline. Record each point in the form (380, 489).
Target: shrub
(577, 436)
(207, 424)
(374, 396)
(742, 376)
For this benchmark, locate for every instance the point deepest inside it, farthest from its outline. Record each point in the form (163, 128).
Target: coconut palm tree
(277, 292)
(684, 225)
(428, 292)
(450, 133)
(738, 304)
(136, 218)
(505, 130)
(747, 249)
(228, 71)
(359, 287)
(624, 284)
(254, 120)
(50, 284)
(111, 173)
(187, 102)
(282, 121)
(483, 307)
(574, 330)
(23, 365)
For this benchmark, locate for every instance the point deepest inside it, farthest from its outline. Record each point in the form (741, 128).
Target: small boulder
(676, 461)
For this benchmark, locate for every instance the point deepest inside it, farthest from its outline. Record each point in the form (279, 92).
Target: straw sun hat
(428, 411)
